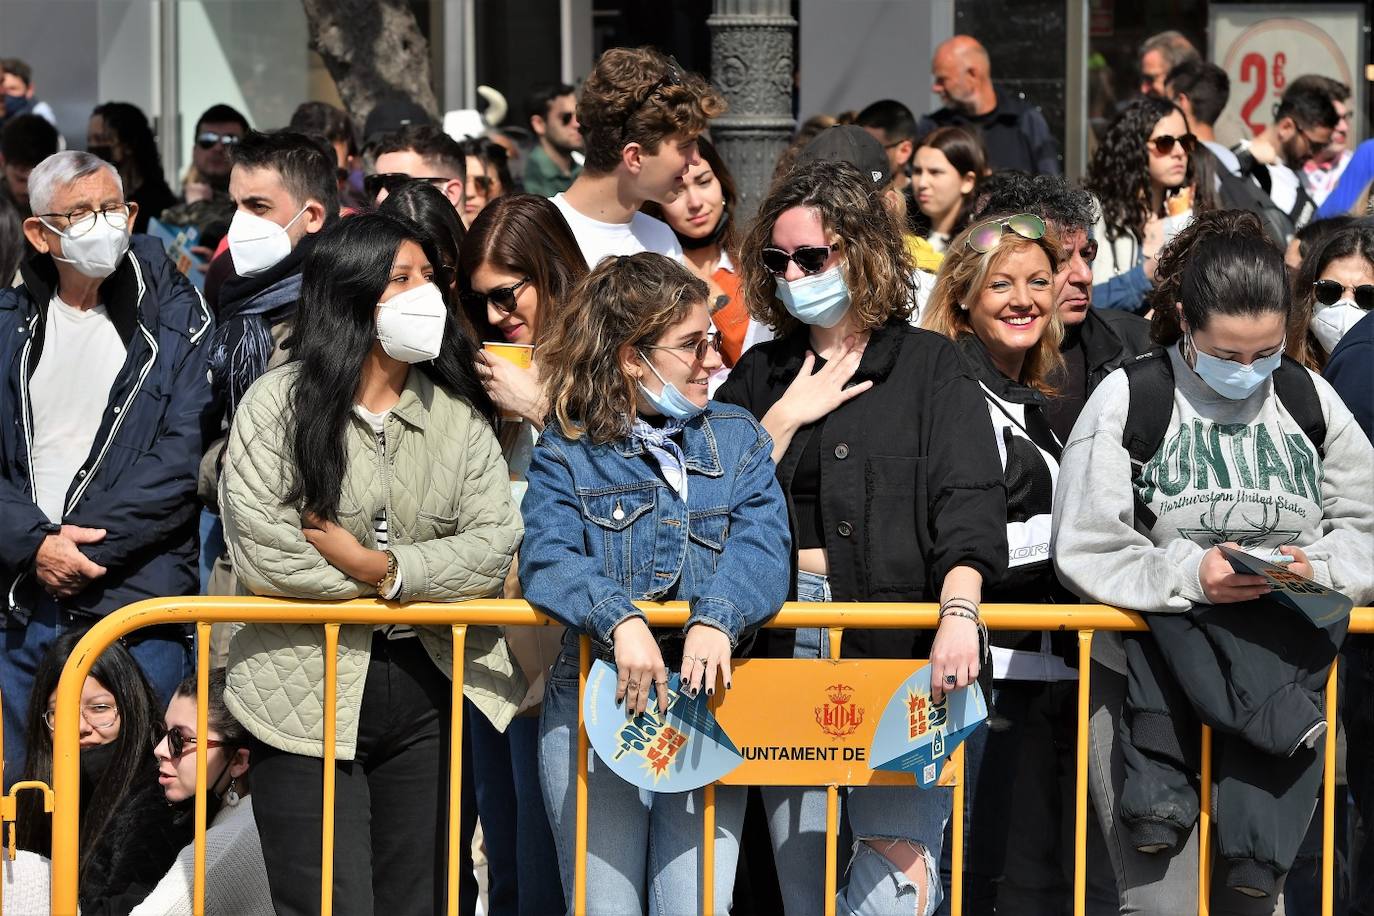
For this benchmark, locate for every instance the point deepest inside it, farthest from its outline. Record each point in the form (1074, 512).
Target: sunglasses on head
(1163, 145)
(502, 297)
(1329, 292)
(393, 181)
(987, 235)
(671, 77)
(208, 139)
(178, 742)
(808, 258)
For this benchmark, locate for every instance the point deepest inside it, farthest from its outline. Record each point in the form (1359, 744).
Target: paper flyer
(178, 242)
(677, 752)
(916, 734)
(1319, 604)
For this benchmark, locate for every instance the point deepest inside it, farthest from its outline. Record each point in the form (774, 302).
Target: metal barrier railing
(205, 611)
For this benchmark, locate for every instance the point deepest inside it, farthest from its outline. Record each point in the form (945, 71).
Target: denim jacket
(603, 529)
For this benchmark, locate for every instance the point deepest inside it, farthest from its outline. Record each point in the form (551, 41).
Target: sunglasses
(209, 138)
(393, 181)
(698, 349)
(566, 118)
(671, 77)
(1163, 145)
(808, 258)
(1329, 292)
(986, 236)
(483, 183)
(502, 297)
(178, 742)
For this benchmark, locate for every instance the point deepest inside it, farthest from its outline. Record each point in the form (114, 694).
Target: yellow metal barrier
(204, 611)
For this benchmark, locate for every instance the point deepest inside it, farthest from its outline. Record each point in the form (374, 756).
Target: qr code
(928, 774)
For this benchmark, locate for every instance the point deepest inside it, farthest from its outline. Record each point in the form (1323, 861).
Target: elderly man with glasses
(103, 384)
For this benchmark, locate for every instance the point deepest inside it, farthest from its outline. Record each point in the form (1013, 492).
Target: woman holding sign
(642, 489)
(1217, 442)
(894, 488)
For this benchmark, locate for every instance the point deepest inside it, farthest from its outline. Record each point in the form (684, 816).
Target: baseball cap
(390, 115)
(850, 143)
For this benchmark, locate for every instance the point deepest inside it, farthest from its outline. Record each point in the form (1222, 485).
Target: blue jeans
(894, 814)
(643, 848)
(515, 826)
(162, 652)
(211, 546)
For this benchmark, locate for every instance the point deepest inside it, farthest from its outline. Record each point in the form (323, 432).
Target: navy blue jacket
(139, 481)
(1351, 372)
(1014, 134)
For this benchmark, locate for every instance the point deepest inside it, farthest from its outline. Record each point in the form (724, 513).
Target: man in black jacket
(103, 390)
(1014, 132)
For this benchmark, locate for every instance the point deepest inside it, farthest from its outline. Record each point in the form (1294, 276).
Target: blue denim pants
(882, 814)
(643, 848)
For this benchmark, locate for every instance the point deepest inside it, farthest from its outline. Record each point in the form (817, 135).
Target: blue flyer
(916, 734)
(681, 750)
(1319, 604)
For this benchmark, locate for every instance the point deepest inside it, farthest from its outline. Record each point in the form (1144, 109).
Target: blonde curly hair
(965, 270)
(877, 265)
(630, 300)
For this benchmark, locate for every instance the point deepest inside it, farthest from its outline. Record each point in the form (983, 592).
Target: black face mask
(104, 151)
(95, 761)
(214, 800)
(689, 243)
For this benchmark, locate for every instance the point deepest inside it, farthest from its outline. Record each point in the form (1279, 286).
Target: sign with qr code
(916, 733)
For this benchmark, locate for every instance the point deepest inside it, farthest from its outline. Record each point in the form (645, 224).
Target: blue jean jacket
(603, 529)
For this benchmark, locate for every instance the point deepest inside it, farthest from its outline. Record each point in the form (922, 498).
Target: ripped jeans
(884, 815)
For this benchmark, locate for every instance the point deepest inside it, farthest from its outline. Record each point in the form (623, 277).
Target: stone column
(752, 55)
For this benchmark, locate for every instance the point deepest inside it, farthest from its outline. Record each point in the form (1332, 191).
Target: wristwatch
(388, 582)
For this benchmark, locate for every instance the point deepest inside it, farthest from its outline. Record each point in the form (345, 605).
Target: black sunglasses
(208, 139)
(671, 77)
(177, 742)
(810, 258)
(1329, 292)
(393, 181)
(1163, 145)
(566, 118)
(503, 297)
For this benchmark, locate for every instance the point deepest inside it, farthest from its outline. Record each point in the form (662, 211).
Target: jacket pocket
(892, 550)
(616, 514)
(707, 531)
(430, 526)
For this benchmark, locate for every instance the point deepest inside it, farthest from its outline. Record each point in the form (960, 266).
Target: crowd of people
(928, 369)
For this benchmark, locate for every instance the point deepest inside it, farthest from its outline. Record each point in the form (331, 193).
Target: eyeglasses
(986, 236)
(82, 219)
(698, 349)
(503, 297)
(671, 77)
(1329, 292)
(177, 742)
(208, 139)
(808, 258)
(483, 183)
(1163, 145)
(97, 715)
(393, 181)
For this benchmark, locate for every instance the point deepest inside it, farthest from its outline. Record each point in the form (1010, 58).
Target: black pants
(1358, 715)
(391, 801)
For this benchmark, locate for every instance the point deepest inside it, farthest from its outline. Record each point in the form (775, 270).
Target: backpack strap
(1150, 378)
(1298, 394)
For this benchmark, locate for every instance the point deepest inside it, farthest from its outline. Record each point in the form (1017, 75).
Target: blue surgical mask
(1229, 378)
(670, 401)
(820, 299)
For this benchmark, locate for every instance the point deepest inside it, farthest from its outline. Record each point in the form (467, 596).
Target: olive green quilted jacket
(451, 524)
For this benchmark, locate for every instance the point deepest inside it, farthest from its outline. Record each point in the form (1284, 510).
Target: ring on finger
(951, 679)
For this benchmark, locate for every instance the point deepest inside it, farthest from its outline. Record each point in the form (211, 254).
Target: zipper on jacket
(25, 411)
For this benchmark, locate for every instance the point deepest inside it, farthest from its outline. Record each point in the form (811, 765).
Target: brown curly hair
(965, 270)
(631, 300)
(877, 265)
(639, 95)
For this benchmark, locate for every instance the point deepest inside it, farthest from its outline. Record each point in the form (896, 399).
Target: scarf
(672, 461)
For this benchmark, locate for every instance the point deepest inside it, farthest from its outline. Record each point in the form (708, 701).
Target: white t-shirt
(600, 240)
(69, 391)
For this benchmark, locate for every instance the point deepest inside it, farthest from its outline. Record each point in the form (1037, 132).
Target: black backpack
(1151, 380)
(1238, 192)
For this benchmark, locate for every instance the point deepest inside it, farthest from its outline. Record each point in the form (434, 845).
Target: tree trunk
(374, 50)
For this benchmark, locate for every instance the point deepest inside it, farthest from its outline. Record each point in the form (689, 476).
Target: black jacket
(1103, 342)
(911, 485)
(1349, 372)
(139, 482)
(1014, 133)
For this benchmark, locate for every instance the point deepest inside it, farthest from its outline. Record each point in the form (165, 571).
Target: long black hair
(130, 125)
(342, 281)
(1119, 173)
(1220, 264)
(130, 759)
(432, 213)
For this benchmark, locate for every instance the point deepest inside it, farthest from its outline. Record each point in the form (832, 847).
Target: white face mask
(410, 325)
(1331, 322)
(97, 252)
(256, 243)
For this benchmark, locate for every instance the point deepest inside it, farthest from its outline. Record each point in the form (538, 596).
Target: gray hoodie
(1226, 471)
